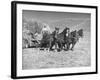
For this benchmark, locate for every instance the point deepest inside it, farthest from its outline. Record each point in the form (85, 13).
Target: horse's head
(66, 31)
(80, 33)
(73, 33)
(57, 30)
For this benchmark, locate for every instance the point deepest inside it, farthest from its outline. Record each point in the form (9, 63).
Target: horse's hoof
(51, 50)
(58, 50)
(66, 49)
(71, 49)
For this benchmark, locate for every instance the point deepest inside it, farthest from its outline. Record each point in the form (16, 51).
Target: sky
(46, 16)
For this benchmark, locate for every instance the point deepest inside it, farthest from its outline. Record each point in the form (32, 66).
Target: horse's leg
(51, 45)
(67, 46)
(26, 46)
(60, 46)
(63, 45)
(73, 44)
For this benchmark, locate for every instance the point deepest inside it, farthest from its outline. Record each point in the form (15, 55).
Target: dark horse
(54, 39)
(73, 38)
(59, 39)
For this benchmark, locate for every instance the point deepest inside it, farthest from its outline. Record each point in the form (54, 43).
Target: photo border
(14, 38)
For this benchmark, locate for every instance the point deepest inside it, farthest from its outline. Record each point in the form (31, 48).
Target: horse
(59, 38)
(45, 41)
(46, 37)
(53, 38)
(80, 33)
(64, 38)
(49, 40)
(73, 38)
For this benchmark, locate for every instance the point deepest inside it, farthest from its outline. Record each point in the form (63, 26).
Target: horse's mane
(73, 33)
(64, 31)
(77, 33)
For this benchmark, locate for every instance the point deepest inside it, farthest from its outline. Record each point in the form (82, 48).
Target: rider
(46, 29)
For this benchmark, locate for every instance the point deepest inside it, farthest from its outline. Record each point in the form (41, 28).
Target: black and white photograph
(54, 40)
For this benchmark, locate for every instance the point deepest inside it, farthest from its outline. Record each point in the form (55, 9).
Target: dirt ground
(33, 58)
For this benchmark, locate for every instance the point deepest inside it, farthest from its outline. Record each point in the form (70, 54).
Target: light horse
(45, 41)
